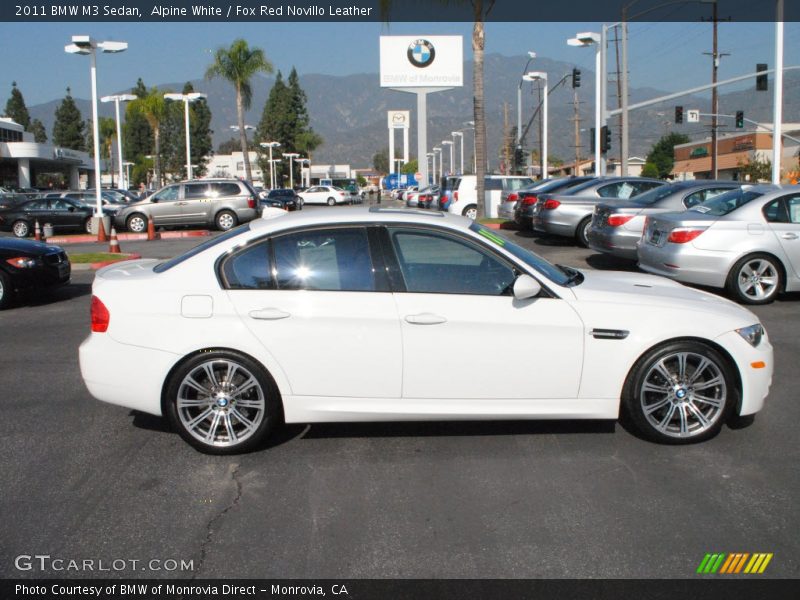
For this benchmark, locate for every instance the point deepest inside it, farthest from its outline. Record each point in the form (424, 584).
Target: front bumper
(756, 380)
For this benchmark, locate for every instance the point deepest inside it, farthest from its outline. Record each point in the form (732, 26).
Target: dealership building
(22, 159)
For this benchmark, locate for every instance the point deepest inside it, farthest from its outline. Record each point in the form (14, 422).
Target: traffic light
(679, 114)
(761, 79)
(605, 140)
(576, 78)
(739, 119)
(519, 159)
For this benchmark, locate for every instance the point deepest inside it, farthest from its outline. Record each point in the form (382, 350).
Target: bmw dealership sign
(422, 61)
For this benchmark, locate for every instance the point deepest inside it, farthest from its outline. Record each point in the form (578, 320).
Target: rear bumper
(614, 241)
(684, 262)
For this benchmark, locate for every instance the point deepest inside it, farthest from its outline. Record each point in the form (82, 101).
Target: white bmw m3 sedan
(403, 315)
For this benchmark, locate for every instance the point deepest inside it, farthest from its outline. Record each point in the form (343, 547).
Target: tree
(662, 155)
(38, 131)
(410, 167)
(69, 129)
(381, 161)
(649, 170)
(108, 133)
(200, 132)
(228, 147)
(16, 109)
(756, 169)
(136, 133)
(238, 64)
(153, 108)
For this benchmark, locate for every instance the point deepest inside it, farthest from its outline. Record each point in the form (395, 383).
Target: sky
(666, 56)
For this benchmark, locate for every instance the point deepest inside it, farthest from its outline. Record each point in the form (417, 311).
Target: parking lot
(584, 499)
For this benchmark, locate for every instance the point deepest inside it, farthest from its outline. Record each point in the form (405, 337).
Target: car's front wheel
(755, 279)
(331, 201)
(87, 225)
(222, 402)
(471, 212)
(226, 220)
(680, 393)
(21, 229)
(136, 223)
(6, 292)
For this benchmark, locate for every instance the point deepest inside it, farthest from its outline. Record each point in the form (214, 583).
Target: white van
(496, 187)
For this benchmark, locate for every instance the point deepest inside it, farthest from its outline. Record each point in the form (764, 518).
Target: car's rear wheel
(582, 232)
(680, 393)
(21, 229)
(6, 292)
(226, 220)
(136, 223)
(755, 279)
(87, 225)
(331, 201)
(471, 212)
(222, 402)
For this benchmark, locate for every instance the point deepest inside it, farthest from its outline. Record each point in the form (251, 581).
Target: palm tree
(480, 10)
(108, 133)
(153, 108)
(238, 64)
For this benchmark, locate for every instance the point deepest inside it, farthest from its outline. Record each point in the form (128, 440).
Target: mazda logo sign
(421, 53)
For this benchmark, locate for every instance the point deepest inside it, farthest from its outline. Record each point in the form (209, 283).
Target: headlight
(752, 334)
(24, 262)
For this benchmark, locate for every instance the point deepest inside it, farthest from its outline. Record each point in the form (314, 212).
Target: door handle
(269, 314)
(181, 203)
(425, 319)
(789, 236)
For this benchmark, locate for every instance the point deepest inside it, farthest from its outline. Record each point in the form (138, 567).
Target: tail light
(551, 204)
(251, 202)
(512, 197)
(455, 196)
(681, 235)
(529, 200)
(100, 315)
(617, 220)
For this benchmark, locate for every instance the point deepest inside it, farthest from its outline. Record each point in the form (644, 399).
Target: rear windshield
(726, 203)
(168, 264)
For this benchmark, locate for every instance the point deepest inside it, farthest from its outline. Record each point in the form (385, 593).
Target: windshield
(656, 194)
(558, 275)
(723, 204)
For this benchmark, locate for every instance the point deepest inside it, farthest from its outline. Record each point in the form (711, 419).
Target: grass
(93, 257)
(486, 220)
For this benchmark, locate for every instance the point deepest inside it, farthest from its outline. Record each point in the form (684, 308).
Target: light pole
(429, 156)
(531, 56)
(187, 98)
(542, 76)
(471, 125)
(291, 156)
(777, 110)
(128, 165)
(84, 44)
(301, 162)
(460, 134)
(585, 40)
(438, 150)
(271, 145)
(452, 159)
(116, 100)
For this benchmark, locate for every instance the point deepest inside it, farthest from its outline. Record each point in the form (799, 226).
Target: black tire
(226, 220)
(471, 211)
(21, 229)
(755, 279)
(6, 291)
(136, 223)
(331, 201)
(653, 412)
(263, 393)
(581, 233)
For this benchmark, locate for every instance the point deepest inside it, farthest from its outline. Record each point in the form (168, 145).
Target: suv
(220, 203)
(464, 198)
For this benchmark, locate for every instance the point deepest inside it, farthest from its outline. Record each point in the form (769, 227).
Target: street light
(531, 56)
(301, 162)
(116, 100)
(271, 145)
(84, 44)
(430, 155)
(542, 76)
(128, 165)
(290, 156)
(452, 160)
(438, 150)
(470, 125)
(460, 134)
(187, 98)
(584, 40)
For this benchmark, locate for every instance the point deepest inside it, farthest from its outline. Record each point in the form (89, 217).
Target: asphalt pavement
(87, 480)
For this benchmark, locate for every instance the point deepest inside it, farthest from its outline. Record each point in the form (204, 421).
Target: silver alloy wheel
(21, 229)
(88, 225)
(220, 403)
(758, 279)
(471, 212)
(331, 201)
(683, 394)
(225, 221)
(137, 224)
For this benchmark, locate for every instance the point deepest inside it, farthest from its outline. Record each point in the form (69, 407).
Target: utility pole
(715, 56)
(576, 118)
(541, 131)
(506, 139)
(618, 74)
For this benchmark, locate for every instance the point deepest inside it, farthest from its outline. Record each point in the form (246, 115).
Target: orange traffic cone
(113, 244)
(101, 232)
(37, 231)
(151, 231)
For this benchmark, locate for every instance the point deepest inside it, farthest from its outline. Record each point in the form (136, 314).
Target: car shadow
(37, 297)
(607, 262)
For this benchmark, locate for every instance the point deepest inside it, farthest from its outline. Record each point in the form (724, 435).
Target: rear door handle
(789, 236)
(269, 314)
(425, 319)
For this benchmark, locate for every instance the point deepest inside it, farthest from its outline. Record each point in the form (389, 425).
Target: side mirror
(153, 199)
(71, 209)
(526, 287)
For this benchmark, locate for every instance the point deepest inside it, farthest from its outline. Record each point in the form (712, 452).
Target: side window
(324, 259)
(248, 269)
(793, 207)
(775, 211)
(615, 190)
(643, 186)
(168, 194)
(193, 191)
(218, 190)
(59, 205)
(694, 198)
(492, 184)
(436, 263)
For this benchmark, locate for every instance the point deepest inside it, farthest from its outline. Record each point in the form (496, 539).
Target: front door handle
(181, 203)
(269, 314)
(789, 236)
(425, 319)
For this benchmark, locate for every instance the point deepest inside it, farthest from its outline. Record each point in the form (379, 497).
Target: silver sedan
(746, 241)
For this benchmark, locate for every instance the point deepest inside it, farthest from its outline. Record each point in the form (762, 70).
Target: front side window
(324, 259)
(437, 263)
(168, 194)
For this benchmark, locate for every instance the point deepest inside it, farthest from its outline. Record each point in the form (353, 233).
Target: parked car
(617, 225)
(413, 197)
(220, 203)
(464, 199)
(11, 199)
(570, 214)
(325, 194)
(746, 241)
(25, 264)
(526, 197)
(111, 201)
(447, 187)
(286, 303)
(284, 198)
(62, 213)
(429, 197)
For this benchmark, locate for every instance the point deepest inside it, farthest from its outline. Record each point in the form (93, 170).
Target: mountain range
(349, 112)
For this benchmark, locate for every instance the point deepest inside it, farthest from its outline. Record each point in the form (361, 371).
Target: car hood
(26, 247)
(652, 290)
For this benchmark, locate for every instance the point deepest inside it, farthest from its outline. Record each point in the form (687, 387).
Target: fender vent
(609, 334)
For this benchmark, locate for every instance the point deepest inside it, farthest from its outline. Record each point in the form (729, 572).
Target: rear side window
(516, 183)
(700, 196)
(493, 184)
(726, 203)
(620, 189)
(219, 189)
(195, 190)
(248, 269)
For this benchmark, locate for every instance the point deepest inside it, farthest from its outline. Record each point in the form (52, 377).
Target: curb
(127, 237)
(99, 265)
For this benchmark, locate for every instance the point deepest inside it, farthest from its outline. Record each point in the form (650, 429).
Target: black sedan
(25, 264)
(63, 214)
(287, 199)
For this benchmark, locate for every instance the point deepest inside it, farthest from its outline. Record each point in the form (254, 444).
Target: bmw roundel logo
(421, 53)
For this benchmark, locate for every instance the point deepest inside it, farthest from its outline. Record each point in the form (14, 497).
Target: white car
(318, 317)
(325, 194)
